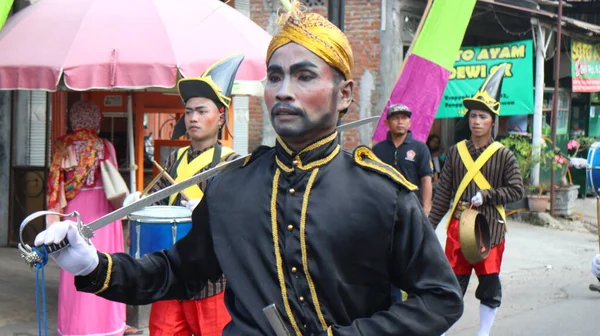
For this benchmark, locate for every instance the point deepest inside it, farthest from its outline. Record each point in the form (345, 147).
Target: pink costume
(83, 313)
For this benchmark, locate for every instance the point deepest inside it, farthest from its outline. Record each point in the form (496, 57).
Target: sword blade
(172, 189)
(166, 192)
(357, 123)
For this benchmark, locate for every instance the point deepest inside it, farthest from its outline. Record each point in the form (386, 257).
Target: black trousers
(489, 289)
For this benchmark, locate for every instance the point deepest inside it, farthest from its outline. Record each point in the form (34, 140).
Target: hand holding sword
(54, 240)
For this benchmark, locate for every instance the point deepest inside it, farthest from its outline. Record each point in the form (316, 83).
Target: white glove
(596, 266)
(79, 257)
(477, 200)
(131, 198)
(191, 204)
(578, 163)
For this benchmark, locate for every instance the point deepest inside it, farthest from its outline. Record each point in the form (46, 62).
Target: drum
(157, 228)
(592, 171)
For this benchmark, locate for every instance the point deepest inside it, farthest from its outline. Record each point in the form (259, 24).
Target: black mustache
(290, 108)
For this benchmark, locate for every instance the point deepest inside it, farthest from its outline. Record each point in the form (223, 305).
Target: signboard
(585, 66)
(474, 64)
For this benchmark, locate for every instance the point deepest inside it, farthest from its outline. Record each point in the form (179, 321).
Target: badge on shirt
(410, 155)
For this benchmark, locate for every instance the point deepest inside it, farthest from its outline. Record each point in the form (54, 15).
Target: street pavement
(545, 277)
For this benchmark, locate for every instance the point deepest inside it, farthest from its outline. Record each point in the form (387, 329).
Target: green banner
(585, 66)
(474, 64)
(443, 31)
(5, 6)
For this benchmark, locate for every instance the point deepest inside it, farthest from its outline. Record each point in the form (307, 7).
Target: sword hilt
(275, 320)
(31, 255)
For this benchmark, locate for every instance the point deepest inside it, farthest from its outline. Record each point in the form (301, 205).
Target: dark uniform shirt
(411, 158)
(321, 233)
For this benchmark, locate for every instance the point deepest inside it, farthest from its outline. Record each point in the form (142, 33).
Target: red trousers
(204, 317)
(460, 265)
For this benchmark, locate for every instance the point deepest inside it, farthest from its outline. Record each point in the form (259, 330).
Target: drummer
(207, 100)
(498, 182)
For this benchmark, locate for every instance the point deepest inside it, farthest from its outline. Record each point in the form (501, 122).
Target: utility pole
(541, 45)
(555, 103)
(335, 14)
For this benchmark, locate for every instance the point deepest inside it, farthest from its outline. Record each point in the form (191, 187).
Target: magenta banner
(421, 88)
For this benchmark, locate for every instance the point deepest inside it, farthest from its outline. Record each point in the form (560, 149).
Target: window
(562, 120)
(30, 125)
(314, 3)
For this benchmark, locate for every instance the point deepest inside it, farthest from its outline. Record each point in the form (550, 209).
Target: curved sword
(87, 231)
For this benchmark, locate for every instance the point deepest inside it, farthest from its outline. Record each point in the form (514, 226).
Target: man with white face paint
(317, 231)
(497, 183)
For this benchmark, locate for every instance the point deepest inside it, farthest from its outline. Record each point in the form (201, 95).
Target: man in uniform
(410, 156)
(498, 182)
(317, 231)
(206, 99)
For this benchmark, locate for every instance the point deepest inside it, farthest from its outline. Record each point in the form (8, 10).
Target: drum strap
(185, 169)
(216, 156)
(474, 173)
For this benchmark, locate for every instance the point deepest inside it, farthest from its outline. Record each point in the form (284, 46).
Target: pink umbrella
(125, 44)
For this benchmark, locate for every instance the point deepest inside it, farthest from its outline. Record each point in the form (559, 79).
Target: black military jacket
(322, 233)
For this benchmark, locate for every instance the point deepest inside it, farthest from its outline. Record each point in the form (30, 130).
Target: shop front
(471, 68)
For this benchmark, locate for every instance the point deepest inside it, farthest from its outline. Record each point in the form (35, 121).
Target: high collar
(408, 139)
(475, 152)
(312, 156)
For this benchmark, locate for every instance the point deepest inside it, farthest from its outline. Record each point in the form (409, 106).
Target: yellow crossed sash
(187, 169)
(474, 173)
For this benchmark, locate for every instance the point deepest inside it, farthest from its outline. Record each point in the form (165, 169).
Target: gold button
(295, 162)
(302, 299)
(294, 270)
(292, 191)
(290, 227)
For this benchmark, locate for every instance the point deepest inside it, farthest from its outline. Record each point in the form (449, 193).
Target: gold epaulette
(259, 151)
(365, 158)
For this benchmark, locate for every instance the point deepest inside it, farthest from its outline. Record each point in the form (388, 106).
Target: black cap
(398, 109)
(215, 84)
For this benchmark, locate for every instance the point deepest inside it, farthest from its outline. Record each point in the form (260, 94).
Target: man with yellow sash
(316, 231)
(482, 174)
(207, 100)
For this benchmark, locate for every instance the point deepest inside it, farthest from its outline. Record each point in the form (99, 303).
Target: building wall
(362, 27)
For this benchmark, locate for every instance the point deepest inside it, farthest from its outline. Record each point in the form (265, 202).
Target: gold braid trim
(364, 157)
(278, 259)
(320, 143)
(284, 146)
(314, 146)
(311, 285)
(108, 274)
(283, 166)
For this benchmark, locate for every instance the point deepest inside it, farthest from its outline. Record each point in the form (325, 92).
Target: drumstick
(170, 179)
(153, 182)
